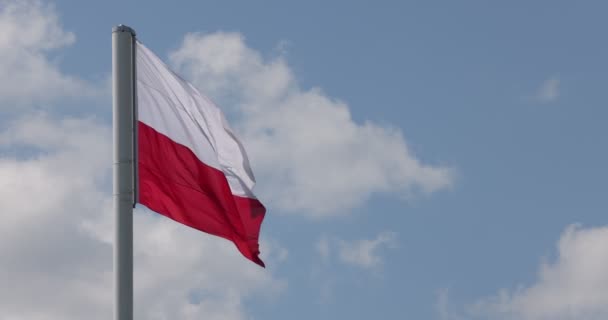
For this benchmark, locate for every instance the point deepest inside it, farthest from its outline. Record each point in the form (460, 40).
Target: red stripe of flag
(176, 184)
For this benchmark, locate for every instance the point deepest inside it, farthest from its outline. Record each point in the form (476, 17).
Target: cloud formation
(30, 32)
(361, 253)
(549, 90)
(311, 157)
(364, 253)
(52, 175)
(574, 286)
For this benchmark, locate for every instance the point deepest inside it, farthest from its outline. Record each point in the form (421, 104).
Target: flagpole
(123, 99)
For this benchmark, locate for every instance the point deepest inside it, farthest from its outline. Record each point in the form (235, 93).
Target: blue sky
(457, 153)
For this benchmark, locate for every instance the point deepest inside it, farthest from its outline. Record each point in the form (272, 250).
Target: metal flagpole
(123, 102)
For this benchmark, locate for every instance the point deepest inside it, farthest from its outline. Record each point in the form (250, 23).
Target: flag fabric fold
(191, 166)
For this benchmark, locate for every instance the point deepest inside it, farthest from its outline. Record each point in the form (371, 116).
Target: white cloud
(549, 90)
(30, 30)
(323, 248)
(56, 233)
(573, 287)
(46, 256)
(310, 156)
(362, 253)
(442, 304)
(444, 307)
(176, 264)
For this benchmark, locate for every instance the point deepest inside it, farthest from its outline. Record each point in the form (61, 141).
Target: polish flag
(191, 166)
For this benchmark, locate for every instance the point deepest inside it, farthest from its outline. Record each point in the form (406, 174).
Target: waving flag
(191, 167)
